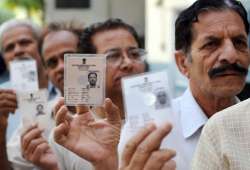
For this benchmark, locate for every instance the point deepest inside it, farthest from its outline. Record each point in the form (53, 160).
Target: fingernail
(150, 126)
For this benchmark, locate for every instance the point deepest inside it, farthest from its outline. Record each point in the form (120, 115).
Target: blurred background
(153, 19)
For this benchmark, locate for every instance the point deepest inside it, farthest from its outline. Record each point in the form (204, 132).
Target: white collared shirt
(188, 119)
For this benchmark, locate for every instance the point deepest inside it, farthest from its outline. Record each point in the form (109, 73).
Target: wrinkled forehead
(223, 22)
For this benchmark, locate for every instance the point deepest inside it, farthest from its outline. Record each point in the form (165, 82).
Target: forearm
(3, 151)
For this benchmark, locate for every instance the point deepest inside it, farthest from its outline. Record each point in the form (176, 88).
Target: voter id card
(146, 99)
(33, 107)
(23, 75)
(84, 79)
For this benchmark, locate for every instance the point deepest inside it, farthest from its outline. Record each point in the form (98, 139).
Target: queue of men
(211, 51)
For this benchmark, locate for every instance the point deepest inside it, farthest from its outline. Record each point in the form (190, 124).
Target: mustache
(225, 67)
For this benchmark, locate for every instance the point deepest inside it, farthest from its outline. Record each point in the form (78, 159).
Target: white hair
(10, 24)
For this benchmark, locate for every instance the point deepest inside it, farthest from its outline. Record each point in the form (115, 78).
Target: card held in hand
(33, 107)
(84, 79)
(23, 75)
(146, 99)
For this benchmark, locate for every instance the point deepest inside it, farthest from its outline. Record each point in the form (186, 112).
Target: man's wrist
(111, 163)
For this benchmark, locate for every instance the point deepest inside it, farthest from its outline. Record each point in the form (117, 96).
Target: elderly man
(212, 52)
(31, 147)
(18, 38)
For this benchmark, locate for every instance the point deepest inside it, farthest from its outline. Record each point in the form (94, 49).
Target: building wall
(160, 19)
(130, 11)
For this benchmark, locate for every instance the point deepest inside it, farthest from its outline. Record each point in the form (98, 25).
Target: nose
(229, 53)
(18, 51)
(127, 63)
(60, 65)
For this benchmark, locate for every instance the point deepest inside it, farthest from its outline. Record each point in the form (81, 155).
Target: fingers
(112, 111)
(9, 95)
(39, 151)
(134, 142)
(169, 165)
(158, 159)
(58, 105)
(8, 101)
(63, 119)
(60, 132)
(31, 133)
(33, 144)
(142, 150)
(62, 115)
(151, 143)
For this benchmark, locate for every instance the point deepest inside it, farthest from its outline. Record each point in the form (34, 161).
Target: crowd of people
(209, 127)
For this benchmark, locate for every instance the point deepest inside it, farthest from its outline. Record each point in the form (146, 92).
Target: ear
(182, 62)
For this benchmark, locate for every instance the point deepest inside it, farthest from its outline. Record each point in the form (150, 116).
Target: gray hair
(36, 30)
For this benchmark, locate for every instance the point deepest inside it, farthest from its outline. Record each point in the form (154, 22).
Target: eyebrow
(240, 36)
(112, 50)
(211, 38)
(118, 49)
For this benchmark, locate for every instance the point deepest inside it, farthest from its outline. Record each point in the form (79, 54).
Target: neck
(212, 104)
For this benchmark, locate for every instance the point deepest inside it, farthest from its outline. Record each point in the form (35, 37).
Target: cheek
(109, 76)
(139, 68)
(33, 50)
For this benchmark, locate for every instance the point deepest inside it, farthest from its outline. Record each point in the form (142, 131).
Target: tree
(32, 7)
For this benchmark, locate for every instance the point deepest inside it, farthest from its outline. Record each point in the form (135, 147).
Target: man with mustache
(212, 52)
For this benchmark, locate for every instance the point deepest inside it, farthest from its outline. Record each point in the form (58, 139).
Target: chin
(230, 91)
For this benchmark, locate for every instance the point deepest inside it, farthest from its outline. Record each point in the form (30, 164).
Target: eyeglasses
(54, 61)
(115, 57)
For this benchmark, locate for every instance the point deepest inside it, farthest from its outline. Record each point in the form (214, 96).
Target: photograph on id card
(33, 107)
(84, 79)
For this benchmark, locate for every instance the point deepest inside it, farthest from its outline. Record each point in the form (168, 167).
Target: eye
(52, 62)
(211, 44)
(9, 48)
(134, 54)
(137, 54)
(113, 56)
(240, 44)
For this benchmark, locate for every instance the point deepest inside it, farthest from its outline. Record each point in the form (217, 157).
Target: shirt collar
(192, 116)
(53, 91)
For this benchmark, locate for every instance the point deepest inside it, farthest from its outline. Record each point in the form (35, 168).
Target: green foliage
(33, 8)
(27, 4)
(5, 15)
